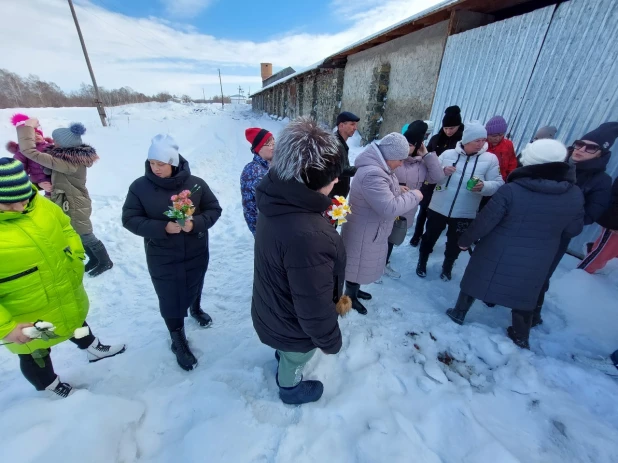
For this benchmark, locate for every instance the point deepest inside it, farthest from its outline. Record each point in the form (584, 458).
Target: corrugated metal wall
(574, 85)
(554, 66)
(485, 71)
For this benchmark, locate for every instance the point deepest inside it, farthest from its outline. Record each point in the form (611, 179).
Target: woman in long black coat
(520, 231)
(177, 257)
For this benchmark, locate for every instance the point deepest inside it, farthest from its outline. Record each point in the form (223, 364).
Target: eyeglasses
(589, 148)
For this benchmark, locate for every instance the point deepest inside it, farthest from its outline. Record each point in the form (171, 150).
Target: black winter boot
(303, 393)
(351, 290)
(421, 267)
(414, 242)
(104, 263)
(459, 312)
(447, 269)
(199, 315)
(520, 331)
(92, 260)
(364, 295)
(180, 347)
(536, 315)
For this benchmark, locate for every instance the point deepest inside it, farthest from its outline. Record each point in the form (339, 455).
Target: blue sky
(241, 19)
(179, 45)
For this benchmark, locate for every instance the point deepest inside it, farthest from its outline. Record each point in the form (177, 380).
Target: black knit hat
(452, 117)
(416, 133)
(604, 135)
(15, 185)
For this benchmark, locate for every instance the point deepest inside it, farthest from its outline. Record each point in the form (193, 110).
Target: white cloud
(150, 55)
(185, 8)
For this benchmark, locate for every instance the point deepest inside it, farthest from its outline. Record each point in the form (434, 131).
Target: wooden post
(222, 104)
(98, 102)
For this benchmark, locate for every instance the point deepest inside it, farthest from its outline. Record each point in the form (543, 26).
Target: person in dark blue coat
(520, 231)
(177, 256)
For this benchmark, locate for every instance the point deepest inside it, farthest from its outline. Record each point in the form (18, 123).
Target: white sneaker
(391, 273)
(98, 351)
(62, 390)
(604, 365)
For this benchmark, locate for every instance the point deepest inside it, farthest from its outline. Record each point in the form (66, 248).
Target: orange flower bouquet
(182, 207)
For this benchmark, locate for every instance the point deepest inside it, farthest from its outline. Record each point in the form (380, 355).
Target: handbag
(400, 228)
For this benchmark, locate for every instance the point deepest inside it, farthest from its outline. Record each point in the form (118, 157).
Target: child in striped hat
(15, 186)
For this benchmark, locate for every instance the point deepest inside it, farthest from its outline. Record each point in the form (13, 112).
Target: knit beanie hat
(258, 138)
(473, 131)
(496, 125)
(15, 185)
(452, 117)
(549, 131)
(69, 138)
(394, 147)
(604, 135)
(308, 154)
(543, 151)
(164, 149)
(415, 133)
(19, 119)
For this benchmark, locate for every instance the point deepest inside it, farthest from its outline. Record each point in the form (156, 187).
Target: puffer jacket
(416, 171)
(177, 263)
(520, 232)
(451, 198)
(35, 171)
(596, 185)
(375, 200)
(299, 269)
(609, 219)
(69, 167)
(41, 272)
(505, 152)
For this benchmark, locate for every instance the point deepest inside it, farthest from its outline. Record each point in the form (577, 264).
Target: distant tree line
(32, 92)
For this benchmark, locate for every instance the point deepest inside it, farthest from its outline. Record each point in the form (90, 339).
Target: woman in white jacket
(453, 205)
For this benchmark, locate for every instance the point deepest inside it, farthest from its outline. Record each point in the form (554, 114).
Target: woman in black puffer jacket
(177, 257)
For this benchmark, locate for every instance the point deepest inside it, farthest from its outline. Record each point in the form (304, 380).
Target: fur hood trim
(84, 155)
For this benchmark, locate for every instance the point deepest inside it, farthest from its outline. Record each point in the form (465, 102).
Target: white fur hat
(164, 149)
(543, 151)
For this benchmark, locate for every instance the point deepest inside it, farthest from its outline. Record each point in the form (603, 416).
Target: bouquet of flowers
(182, 207)
(338, 211)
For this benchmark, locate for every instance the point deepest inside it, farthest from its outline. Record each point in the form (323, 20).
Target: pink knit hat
(17, 118)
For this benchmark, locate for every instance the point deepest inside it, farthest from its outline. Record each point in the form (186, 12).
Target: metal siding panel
(574, 85)
(485, 71)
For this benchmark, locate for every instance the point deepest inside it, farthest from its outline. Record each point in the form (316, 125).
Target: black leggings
(388, 254)
(42, 376)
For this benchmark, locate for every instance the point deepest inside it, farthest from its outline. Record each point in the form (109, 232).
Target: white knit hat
(473, 130)
(543, 151)
(394, 147)
(164, 149)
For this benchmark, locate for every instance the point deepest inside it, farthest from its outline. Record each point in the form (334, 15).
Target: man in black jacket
(299, 257)
(346, 126)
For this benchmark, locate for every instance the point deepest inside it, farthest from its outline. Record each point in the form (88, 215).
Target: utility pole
(222, 104)
(203, 95)
(98, 102)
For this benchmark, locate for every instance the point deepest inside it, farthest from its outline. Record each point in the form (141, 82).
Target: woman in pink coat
(418, 168)
(376, 199)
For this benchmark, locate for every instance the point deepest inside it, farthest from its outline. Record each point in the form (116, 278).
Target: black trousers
(421, 218)
(436, 223)
(42, 376)
(390, 251)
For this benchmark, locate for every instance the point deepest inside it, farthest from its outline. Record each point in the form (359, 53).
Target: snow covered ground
(388, 397)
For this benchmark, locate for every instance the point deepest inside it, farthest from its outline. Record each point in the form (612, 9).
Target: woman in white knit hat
(454, 205)
(520, 231)
(176, 253)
